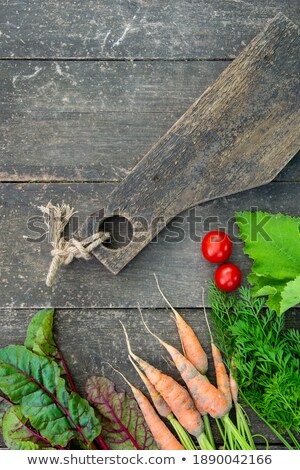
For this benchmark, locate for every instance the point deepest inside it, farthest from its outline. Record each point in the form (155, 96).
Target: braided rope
(64, 251)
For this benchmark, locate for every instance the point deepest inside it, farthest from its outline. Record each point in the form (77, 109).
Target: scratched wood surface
(85, 92)
(238, 135)
(93, 121)
(134, 28)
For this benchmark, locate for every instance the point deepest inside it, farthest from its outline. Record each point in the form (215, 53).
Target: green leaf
(4, 405)
(262, 287)
(266, 290)
(35, 384)
(39, 334)
(290, 295)
(273, 242)
(40, 340)
(123, 424)
(264, 356)
(17, 433)
(274, 246)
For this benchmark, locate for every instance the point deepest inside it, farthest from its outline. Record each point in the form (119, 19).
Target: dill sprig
(265, 357)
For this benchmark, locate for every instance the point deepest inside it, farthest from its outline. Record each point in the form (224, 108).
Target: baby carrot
(239, 437)
(223, 382)
(207, 398)
(191, 346)
(164, 438)
(164, 410)
(176, 396)
(160, 404)
(233, 389)
(222, 377)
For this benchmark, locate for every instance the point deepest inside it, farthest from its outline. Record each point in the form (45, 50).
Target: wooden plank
(114, 29)
(90, 338)
(175, 257)
(89, 121)
(238, 135)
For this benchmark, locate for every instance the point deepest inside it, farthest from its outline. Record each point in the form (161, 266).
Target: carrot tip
(120, 373)
(148, 329)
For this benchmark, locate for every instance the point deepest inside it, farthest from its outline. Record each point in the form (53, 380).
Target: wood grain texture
(86, 120)
(90, 121)
(134, 28)
(175, 257)
(90, 338)
(238, 135)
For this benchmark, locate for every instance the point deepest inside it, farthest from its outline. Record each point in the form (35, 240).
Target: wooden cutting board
(238, 135)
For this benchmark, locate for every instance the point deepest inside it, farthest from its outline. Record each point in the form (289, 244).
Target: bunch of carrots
(189, 409)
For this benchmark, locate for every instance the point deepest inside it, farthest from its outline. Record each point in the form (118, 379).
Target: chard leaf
(17, 433)
(4, 405)
(39, 334)
(40, 340)
(273, 242)
(123, 424)
(35, 384)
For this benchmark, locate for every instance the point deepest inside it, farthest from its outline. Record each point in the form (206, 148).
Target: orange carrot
(207, 398)
(223, 382)
(234, 389)
(176, 396)
(165, 440)
(222, 377)
(191, 346)
(164, 410)
(160, 404)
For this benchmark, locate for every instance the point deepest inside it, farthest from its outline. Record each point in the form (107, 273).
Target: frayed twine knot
(64, 251)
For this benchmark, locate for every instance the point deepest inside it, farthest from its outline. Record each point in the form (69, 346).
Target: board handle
(128, 233)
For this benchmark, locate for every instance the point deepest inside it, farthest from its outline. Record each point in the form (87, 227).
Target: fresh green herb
(273, 242)
(263, 356)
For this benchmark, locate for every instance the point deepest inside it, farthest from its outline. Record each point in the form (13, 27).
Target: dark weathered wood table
(86, 89)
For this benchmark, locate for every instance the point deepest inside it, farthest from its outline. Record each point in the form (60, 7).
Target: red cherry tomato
(228, 277)
(216, 246)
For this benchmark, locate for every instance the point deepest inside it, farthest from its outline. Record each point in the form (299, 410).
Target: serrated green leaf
(123, 424)
(274, 246)
(290, 295)
(17, 433)
(35, 384)
(266, 290)
(273, 242)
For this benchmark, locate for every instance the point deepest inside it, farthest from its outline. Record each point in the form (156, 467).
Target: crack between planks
(121, 59)
(186, 308)
(92, 181)
(54, 181)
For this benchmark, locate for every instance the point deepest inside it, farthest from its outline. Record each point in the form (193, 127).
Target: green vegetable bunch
(40, 408)
(264, 358)
(273, 242)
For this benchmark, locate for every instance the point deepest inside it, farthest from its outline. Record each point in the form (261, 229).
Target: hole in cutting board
(120, 229)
